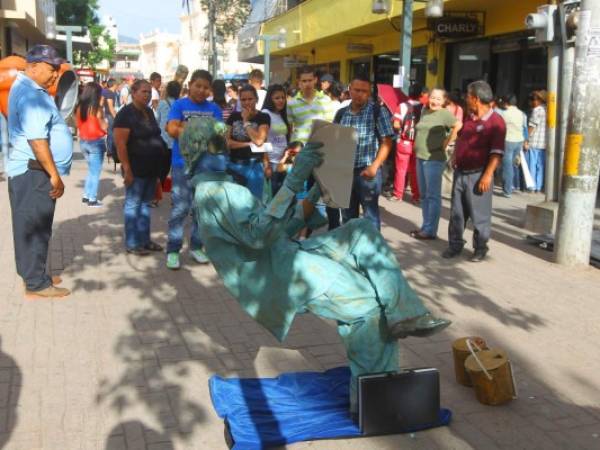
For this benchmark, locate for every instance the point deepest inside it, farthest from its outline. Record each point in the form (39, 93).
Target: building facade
(344, 37)
(159, 52)
(23, 24)
(162, 52)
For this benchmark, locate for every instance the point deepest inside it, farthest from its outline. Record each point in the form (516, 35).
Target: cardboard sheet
(336, 173)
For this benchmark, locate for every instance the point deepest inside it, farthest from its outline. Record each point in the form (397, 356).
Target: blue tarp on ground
(294, 407)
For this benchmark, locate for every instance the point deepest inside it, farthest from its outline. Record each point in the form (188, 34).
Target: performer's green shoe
(420, 326)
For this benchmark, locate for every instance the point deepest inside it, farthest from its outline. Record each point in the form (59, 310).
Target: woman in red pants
(405, 119)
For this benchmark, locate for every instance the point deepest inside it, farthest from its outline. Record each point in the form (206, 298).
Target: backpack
(410, 121)
(376, 113)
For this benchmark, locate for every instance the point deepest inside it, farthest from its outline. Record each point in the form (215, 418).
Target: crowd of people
(477, 136)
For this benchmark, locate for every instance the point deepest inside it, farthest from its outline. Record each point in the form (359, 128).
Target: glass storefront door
(360, 66)
(512, 64)
(467, 62)
(386, 66)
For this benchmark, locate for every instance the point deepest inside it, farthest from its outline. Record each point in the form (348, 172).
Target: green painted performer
(349, 274)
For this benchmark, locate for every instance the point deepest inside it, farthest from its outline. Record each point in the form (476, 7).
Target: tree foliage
(84, 13)
(230, 15)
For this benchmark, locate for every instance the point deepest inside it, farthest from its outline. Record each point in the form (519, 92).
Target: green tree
(84, 13)
(230, 14)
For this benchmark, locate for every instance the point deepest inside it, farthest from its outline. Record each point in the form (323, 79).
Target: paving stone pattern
(123, 363)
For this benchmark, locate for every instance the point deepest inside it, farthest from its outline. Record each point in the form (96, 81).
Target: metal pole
(69, 41)
(582, 158)
(406, 44)
(213, 40)
(554, 52)
(564, 100)
(267, 41)
(567, 60)
(68, 30)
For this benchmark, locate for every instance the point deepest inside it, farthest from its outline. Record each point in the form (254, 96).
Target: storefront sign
(456, 27)
(291, 62)
(359, 48)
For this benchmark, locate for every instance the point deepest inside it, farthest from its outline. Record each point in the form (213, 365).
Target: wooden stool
(491, 374)
(461, 352)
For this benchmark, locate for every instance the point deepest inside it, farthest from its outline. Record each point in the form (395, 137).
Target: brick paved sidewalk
(124, 362)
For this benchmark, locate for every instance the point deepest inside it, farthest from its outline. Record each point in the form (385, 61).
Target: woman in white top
(516, 127)
(275, 106)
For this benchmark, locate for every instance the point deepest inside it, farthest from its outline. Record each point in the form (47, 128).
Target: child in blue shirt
(182, 193)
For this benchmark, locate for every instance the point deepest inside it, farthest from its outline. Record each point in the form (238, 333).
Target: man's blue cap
(44, 53)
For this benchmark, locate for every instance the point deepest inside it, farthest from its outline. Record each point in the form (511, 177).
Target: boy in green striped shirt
(308, 105)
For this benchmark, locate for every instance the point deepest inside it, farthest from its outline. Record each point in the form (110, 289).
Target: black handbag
(398, 402)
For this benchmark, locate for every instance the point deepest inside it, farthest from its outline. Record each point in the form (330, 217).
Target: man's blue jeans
(93, 151)
(536, 160)
(138, 196)
(365, 193)
(429, 175)
(511, 150)
(249, 173)
(182, 196)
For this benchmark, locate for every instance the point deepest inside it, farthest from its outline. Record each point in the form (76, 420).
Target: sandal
(153, 247)
(418, 234)
(138, 251)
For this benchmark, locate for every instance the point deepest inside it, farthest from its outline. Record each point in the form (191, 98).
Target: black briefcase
(398, 402)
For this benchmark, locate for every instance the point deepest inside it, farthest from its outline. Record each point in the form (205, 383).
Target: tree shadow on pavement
(442, 280)
(181, 326)
(184, 326)
(11, 381)
(506, 225)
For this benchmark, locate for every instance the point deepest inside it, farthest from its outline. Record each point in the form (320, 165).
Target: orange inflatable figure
(64, 90)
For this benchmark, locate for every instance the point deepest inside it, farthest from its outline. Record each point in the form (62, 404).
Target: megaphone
(64, 90)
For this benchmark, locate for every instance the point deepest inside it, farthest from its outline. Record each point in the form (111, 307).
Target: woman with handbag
(142, 153)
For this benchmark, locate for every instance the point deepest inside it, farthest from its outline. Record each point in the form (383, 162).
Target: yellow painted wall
(320, 30)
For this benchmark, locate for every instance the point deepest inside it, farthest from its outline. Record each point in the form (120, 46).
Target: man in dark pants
(479, 149)
(40, 151)
(374, 131)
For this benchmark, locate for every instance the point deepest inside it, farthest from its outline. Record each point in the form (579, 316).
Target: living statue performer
(349, 274)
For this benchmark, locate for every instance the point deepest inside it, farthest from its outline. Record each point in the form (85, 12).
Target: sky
(143, 16)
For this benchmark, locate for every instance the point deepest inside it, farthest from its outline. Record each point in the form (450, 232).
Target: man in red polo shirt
(478, 151)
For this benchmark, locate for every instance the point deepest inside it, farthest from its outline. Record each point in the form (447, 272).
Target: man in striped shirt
(308, 105)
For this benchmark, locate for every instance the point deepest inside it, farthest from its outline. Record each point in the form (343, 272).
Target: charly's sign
(456, 27)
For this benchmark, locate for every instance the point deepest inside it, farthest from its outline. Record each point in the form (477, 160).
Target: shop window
(387, 65)
(331, 68)
(469, 61)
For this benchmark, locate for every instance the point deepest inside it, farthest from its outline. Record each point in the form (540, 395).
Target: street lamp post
(267, 39)
(433, 9)
(52, 28)
(69, 30)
